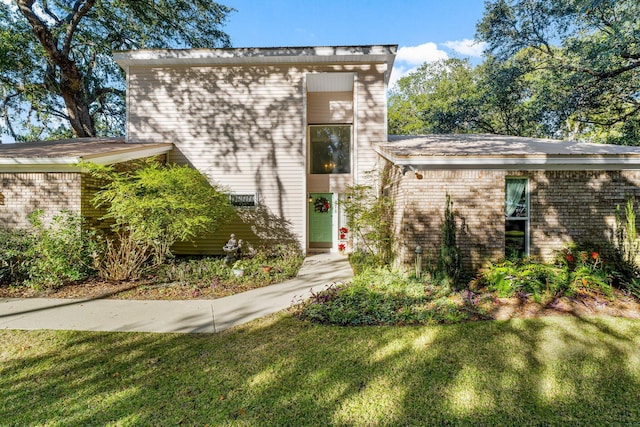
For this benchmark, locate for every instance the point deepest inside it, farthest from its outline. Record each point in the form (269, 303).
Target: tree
(439, 97)
(57, 76)
(585, 52)
(155, 206)
(452, 96)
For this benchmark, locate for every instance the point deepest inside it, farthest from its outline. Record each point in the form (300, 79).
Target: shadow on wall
(477, 244)
(268, 229)
(577, 207)
(565, 207)
(257, 227)
(26, 192)
(235, 122)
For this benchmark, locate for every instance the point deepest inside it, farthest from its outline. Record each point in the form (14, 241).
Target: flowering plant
(343, 230)
(341, 247)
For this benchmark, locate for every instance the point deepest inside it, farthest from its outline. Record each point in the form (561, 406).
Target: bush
(15, 246)
(378, 296)
(360, 261)
(47, 256)
(154, 206)
(61, 252)
(370, 216)
(511, 277)
(449, 259)
(576, 269)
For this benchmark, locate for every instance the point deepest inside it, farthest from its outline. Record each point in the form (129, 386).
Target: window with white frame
(516, 230)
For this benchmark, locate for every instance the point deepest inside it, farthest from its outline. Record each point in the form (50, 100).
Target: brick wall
(576, 206)
(565, 206)
(478, 201)
(24, 193)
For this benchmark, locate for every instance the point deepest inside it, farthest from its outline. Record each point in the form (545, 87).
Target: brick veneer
(565, 206)
(26, 192)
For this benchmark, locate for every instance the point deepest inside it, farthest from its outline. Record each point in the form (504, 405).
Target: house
(46, 175)
(511, 195)
(285, 130)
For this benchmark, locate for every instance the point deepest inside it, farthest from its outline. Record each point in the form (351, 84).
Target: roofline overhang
(515, 162)
(249, 56)
(70, 163)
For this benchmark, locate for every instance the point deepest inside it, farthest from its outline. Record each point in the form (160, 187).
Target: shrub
(449, 259)
(361, 260)
(576, 269)
(15, 245)
(378, 296)
(122, 258)
(154, 206)
(60, 252)
(369, 216)
(511, 277)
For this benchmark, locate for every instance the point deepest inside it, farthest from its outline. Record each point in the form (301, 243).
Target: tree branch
(45, 8)
(80, 9)
(100, 92)
(5, 113)
(41, 30)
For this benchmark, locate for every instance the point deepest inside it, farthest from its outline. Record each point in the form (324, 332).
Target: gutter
(70, 163)
(542, 162)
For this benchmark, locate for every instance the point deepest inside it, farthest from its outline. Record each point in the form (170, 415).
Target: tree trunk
(72, 88)
(80, 118)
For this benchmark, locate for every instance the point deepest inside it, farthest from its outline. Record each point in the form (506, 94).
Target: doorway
(321, 220)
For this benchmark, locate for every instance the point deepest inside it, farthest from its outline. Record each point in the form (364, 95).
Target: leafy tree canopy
(57, 76)
(438, 97)
(585, 52)
(452, 96)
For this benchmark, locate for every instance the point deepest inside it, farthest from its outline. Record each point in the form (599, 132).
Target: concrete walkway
(317, 272)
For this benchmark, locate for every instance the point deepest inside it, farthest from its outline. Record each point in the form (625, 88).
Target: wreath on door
(321, 205)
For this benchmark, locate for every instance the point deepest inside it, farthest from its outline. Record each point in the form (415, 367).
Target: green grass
(282, 371)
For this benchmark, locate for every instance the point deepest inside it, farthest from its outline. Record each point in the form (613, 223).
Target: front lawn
(283, 371)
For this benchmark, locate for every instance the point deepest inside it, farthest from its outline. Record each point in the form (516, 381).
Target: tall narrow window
(330, 148)
(516, 231)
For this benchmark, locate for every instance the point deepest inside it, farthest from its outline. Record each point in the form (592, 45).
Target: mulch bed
(502, 308)
(136, 290)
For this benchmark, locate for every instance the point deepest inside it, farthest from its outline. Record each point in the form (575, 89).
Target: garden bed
(203, 278)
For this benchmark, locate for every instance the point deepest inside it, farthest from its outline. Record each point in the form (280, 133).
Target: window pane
(515, 239)
(516, 198)
(330, 146)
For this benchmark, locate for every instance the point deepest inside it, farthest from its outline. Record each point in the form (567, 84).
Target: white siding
(244, 128)
(240, 126)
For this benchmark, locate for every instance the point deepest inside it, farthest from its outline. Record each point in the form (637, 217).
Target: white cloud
(466, 47)
(409, 58)
(418, 55)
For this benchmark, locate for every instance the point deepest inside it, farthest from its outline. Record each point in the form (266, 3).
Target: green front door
(321, 220)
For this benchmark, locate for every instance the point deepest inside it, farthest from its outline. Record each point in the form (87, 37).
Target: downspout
(305, 203)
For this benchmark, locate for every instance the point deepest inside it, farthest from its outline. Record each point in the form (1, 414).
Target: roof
(64, 154)
(480, 151)
(314, 55)
(259, 55)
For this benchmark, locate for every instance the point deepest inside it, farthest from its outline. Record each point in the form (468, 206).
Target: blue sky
(424, 30)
